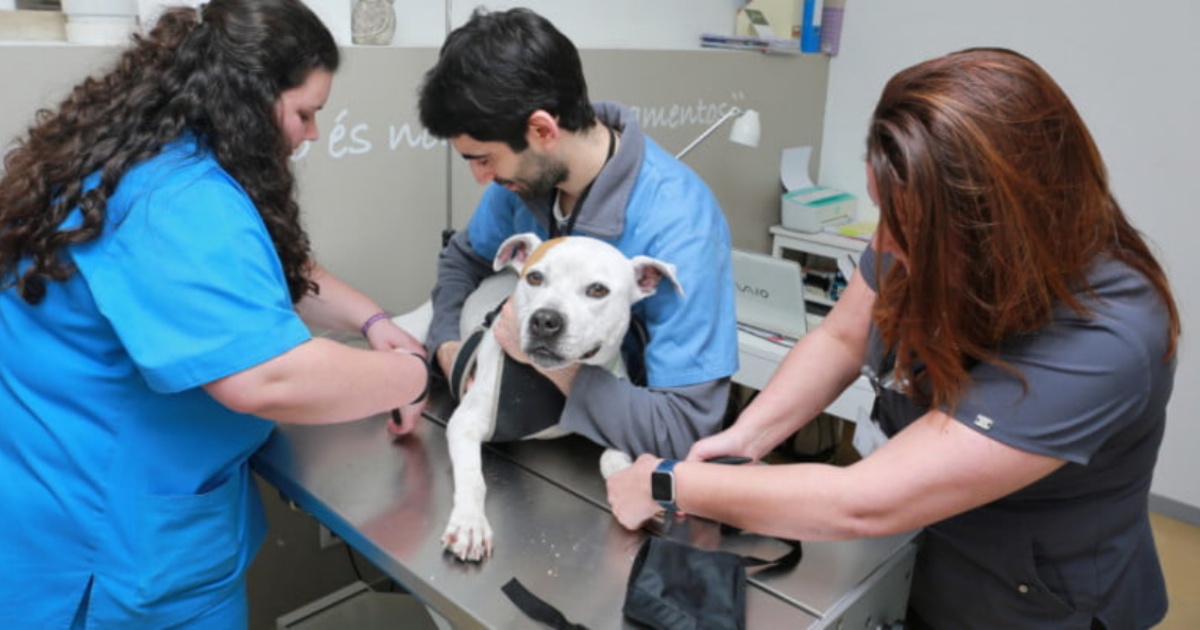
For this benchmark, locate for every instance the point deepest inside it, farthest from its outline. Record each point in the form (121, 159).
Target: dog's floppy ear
(649, 271)
(515, 250)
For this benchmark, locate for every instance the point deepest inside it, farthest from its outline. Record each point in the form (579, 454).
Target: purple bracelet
(371, 321)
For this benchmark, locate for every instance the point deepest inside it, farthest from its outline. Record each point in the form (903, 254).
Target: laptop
(770, 294)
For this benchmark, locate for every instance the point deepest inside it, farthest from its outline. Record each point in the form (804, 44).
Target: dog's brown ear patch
(540, 252)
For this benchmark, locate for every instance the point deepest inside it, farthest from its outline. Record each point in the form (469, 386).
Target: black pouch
(677, 586)
(674, 586)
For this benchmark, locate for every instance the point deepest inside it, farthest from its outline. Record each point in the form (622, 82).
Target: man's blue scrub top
(117, 468)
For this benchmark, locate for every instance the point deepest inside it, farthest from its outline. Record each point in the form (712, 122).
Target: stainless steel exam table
(390, 499)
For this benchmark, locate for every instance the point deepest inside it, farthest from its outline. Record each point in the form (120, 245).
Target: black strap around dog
(468, 355)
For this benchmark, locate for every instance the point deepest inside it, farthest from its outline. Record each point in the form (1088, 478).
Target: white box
(814, 209)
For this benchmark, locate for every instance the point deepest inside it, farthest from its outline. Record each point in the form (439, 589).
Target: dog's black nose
(546, 323)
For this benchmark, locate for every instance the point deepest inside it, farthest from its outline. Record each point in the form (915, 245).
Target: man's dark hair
(496, 70)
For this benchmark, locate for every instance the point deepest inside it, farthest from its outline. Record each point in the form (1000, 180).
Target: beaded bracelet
(372, 320)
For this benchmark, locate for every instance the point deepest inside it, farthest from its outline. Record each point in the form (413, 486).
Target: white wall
(1132, 70)
(657, 24)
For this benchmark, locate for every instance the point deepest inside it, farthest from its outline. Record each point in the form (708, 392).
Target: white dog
(572, 301)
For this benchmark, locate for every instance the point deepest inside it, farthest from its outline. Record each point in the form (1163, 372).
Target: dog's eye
(597, 290)
(534, 278)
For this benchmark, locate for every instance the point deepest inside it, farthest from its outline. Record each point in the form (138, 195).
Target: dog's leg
(468, 534)
(612, 461)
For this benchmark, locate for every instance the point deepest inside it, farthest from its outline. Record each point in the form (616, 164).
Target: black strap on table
(537, 608)
(785, 562)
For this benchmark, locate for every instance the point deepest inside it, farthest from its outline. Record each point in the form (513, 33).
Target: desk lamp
(746, 129)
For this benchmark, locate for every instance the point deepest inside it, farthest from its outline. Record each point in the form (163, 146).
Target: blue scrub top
(118, 469)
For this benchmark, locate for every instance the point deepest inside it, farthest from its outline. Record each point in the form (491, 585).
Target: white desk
(758, 358)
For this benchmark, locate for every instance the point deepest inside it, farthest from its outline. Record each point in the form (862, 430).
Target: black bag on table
(677, 586)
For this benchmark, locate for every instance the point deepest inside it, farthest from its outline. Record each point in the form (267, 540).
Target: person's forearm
(663, 421)
(810, 377)
(814, 373)
(338, 307)
(797, 501)
(322, 381)
(459, 272)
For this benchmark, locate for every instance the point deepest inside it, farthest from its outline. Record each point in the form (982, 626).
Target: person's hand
(386, 335)
(446, 354)
(406, 419)
(629, 493)
(728, 443)
(507, 331)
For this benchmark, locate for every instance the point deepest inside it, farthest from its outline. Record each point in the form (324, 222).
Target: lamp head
(746, 128)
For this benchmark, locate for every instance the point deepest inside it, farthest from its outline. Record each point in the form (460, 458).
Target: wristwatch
(662, 485)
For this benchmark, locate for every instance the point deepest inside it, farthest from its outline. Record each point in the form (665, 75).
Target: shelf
(814, 295)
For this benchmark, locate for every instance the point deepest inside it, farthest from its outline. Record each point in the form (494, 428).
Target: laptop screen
(770, 293)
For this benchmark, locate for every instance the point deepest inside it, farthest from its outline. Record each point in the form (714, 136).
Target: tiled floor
(1179, 550)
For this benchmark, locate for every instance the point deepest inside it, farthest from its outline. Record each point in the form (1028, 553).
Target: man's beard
(547, 173)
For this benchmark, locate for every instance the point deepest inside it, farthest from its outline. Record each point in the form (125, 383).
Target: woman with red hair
(1021, 337)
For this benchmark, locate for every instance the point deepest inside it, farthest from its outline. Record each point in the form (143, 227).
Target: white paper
(793, 168)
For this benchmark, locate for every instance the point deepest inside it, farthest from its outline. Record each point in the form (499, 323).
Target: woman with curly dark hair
(155, 282)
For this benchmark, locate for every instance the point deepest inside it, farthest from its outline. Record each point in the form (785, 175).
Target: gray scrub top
(1074, 549)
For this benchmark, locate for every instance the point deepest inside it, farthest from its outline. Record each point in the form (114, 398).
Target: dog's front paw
(468, 536)
(613, 461)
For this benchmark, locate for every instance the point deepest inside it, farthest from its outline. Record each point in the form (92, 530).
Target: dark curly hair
(215, 72)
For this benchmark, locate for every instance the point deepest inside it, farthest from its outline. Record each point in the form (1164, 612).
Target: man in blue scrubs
(508, 92)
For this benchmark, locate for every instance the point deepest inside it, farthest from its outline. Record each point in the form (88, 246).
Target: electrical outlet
(327, 538)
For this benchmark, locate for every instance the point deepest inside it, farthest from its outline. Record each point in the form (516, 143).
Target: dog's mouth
(546, 357)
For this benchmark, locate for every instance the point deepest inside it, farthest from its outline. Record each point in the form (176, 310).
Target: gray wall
(373, 187)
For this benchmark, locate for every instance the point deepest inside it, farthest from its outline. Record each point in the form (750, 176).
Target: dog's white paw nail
(469, 538)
